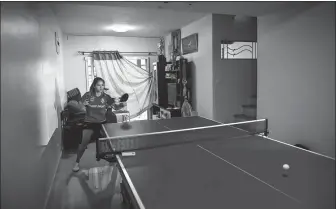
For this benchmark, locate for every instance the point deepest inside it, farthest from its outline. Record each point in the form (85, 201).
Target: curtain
(122, 76)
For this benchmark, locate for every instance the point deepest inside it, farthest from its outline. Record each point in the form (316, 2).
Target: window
(238, 50)
(91, 73)
(142, 62)
(139, 61)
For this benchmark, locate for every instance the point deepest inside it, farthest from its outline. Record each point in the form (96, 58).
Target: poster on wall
(190, 44)
(176, 42)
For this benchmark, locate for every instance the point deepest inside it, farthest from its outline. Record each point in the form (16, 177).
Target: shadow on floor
(95, 186)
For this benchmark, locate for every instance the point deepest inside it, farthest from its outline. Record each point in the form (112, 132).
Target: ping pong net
(191, 135)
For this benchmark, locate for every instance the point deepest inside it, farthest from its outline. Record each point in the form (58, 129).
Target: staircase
(249, 111)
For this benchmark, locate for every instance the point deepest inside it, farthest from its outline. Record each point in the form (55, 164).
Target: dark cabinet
(169, 83)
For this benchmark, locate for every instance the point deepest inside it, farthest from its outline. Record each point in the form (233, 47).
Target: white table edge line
(269, 185)
(245, 171)
(312, 152)
(130, 183)
(176, 131)
(279, 141)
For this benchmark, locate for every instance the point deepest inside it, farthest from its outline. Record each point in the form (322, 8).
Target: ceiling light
(120, 28)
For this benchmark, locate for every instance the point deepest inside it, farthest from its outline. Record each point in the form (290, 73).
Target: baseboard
(51, 186)
(41, 149)
(55, 140)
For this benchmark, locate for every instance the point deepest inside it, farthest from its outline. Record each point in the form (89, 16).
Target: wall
(296, 75)
(74, 65)
(200, 64)
(234, 80)
(219, 87)
(32, 94)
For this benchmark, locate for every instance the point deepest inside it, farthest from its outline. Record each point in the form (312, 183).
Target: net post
(266, 132)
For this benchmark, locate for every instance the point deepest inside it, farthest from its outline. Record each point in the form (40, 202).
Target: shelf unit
(168, 76)
(171, 74)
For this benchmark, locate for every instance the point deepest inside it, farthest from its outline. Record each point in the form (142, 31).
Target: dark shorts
(93, 126)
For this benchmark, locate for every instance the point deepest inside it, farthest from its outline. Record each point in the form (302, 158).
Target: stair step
(253, 100)
(249, 110)
(242, 117)
(253, 106)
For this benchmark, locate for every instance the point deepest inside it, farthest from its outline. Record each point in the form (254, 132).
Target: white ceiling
(91, 20)
(153, 19)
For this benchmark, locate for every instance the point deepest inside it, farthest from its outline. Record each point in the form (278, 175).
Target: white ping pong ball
(285, 166)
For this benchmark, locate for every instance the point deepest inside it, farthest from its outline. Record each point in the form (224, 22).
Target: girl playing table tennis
(96, 102)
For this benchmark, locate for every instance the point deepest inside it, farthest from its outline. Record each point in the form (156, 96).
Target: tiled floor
(95, 186)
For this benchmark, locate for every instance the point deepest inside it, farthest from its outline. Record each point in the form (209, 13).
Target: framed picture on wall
(176, 42)
(190, 44)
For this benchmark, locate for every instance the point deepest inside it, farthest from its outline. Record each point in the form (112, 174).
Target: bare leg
(91, 130)
(87, 134)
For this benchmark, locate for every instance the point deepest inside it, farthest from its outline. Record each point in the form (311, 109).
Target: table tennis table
(232, 172)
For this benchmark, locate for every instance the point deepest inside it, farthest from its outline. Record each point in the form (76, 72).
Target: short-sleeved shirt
(97, 107)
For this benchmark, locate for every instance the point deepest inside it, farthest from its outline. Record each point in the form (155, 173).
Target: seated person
(96, 103)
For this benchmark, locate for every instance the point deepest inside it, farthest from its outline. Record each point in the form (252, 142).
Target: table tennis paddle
(124, 98)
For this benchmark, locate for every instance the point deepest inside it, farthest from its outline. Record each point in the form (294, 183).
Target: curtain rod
(149, 53)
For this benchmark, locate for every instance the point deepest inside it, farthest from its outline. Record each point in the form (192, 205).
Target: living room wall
(32, 95)
(234, 80)
(296, 75)
(219, 87)
(200, 64)
(74, 65)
